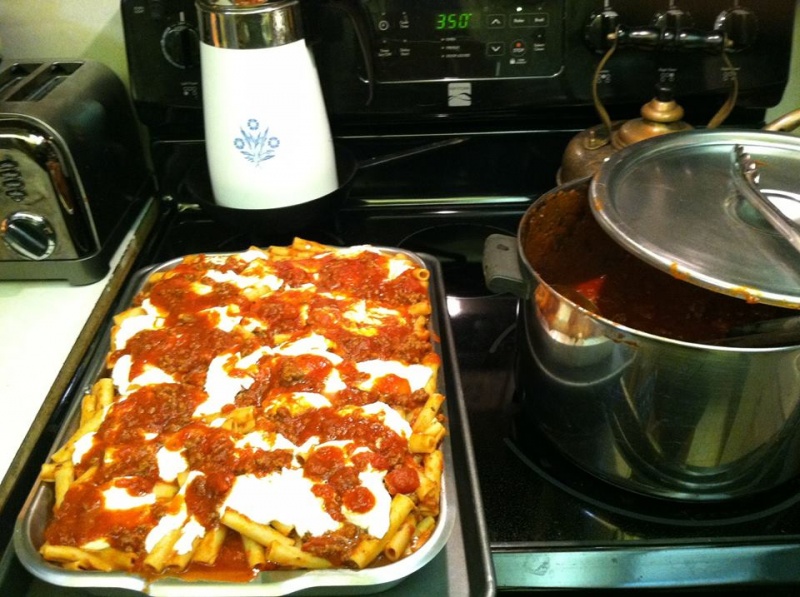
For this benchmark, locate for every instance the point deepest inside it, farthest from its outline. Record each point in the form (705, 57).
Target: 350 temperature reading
(449, 21)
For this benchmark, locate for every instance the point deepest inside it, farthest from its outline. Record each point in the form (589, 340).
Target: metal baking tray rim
(265, 584)
(37, 508)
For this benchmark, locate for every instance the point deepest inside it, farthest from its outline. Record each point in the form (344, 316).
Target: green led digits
(450, 21)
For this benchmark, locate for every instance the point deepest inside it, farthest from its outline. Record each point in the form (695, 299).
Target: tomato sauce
(358, 499)
(315, 296)
(82, 519)
(204, 495)
(403, 479)
(567, 247)
(160, 408)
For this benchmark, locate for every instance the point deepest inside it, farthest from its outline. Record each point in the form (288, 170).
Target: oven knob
(599, 27)
(740, 26)
(673, 19)
(180, 45)
(28, 234)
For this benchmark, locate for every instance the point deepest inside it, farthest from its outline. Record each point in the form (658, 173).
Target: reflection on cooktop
(459, 250)
(535, 496)
(618, 506)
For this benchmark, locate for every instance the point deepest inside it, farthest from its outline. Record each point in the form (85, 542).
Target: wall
(41, 29)
(93, 29)
(791, 97)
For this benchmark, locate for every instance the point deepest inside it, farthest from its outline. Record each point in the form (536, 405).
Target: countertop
(40, 322)
(45, 328)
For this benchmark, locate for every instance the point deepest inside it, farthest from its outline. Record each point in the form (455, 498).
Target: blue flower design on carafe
(255, 145)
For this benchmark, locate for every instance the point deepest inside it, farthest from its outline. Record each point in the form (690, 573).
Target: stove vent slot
(43, 82)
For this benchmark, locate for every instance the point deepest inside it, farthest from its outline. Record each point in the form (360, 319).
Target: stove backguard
(413, 66)
(513, 78)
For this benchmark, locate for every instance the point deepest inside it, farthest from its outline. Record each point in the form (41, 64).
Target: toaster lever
(60, 183)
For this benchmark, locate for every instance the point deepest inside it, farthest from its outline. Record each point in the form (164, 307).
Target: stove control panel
(419, 40)
(395, 62)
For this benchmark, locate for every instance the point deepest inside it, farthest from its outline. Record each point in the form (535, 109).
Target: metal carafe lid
(251, 24)
(673, 202)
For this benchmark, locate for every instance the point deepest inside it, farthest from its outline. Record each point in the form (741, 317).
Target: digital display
(453, 21)
(463, 40)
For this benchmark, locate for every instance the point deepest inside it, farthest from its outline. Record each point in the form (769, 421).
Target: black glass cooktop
(551, 524)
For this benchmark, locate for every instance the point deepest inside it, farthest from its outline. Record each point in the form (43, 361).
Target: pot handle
(501, 266)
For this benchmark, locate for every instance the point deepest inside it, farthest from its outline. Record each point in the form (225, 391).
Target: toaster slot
(13, 76)
(43, 82)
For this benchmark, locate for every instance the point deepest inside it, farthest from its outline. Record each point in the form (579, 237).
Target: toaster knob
(28, 234)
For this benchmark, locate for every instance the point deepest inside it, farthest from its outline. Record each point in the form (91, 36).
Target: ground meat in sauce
(161, 415)
(568, 248)
(336, 546)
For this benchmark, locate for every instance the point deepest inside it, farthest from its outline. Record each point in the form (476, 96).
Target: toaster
(73, 174)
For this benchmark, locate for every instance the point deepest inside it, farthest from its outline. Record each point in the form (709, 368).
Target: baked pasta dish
(265, 410)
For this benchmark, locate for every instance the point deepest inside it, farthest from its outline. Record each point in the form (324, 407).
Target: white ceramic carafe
(268, 140)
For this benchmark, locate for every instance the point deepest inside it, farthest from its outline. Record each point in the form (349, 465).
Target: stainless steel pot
(664, 417)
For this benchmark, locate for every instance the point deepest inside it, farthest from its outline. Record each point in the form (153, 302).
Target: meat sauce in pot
(568, 249)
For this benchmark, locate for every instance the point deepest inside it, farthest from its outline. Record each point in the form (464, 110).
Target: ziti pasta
(271, 409)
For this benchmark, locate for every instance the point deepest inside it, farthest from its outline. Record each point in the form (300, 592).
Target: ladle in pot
(773, 332)
(568, 292)
(746, 176)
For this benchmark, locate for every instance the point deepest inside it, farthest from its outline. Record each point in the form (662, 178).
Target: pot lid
(672, 201)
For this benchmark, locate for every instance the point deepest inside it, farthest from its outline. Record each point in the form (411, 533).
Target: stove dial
(29, 234)
(673, 18)
(740, 26)
(600, 26)
(180, 45)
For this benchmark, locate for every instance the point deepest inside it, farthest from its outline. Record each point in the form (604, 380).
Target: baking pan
(455, 560)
